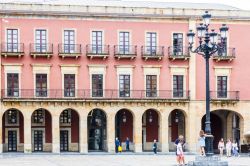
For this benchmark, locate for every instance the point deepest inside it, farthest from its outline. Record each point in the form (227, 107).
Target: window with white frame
(41, 40)
(124, 85)
(97, 45)
(151, 43)
(69, 41)
(12, 84)
(124, 43)
(178, 43)
(12, 40)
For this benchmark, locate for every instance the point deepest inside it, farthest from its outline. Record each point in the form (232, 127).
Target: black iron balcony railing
(41, 49)
(100, 51)
(12, 49)
(125, 51)
(178, 52)
(89, 94)
(152, 52)
(69, 50)
(225, 95)
(227, 54)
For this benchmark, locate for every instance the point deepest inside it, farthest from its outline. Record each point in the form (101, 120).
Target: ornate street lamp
(208, 45)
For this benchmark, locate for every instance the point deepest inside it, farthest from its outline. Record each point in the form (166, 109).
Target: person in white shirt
(180, 153)
(229, 147)
(221, 146)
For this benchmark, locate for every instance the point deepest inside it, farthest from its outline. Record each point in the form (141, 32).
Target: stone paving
(102, 160)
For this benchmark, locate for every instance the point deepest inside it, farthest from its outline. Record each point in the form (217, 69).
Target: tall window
(12, 85)
(223, 52)
(97, 85)
(41, 40)
(124, 42)
(12, 116)
(124, 85)
(178, 86)
(151, 85)
(97, 42)
(69, 41)
(221, 86)
(65, 116)
(12, 40)
(41, 85)
(151, 43)
(69, 85)
(38, 116)
(178, 44)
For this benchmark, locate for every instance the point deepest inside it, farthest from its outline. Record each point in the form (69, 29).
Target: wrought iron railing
(95, 94)
(41, 48)
(178, 51)
(92, 49)
(152, 51)
(224, 95)
(12, 48)
(225, 53)
(125, 50)
(69, 48)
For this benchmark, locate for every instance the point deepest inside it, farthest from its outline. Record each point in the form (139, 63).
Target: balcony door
(41, 85)
(12, 84)
(69, 41)
(178, 44)
(221, 86)
(97, 85)
(178, 86)
(97, 45)
(124, 43)
(151, 86)
(41, 41)
(12, 40)
(69, 85)
(151, 43)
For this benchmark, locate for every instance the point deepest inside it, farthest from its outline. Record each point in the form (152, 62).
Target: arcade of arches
(72, 130)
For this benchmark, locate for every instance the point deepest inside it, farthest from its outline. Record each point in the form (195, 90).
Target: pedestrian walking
(127, 144)
(180, 138)
(221, 146)
(235, 148)
(117, 144)
(155, 147)
(180, 153)
(229, 147)
(201, 141)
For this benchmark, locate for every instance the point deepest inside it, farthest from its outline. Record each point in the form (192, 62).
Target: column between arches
(164, 131)
(27, 131)
(83, 132)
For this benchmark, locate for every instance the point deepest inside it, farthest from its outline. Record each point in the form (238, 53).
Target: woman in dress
(201, 141)
(221, 146)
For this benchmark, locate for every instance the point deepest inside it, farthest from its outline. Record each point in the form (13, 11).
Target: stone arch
(41, 130)
(13, 130)
(124, 122)
(69, 120)
(97, 130)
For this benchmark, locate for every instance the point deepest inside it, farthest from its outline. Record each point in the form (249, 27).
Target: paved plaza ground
(102, 160)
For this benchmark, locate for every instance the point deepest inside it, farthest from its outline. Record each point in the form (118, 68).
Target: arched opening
(41, 131)
(176, 121)
(69, 131)
(97, 132)
(13, 131)
(225, 124)
(124, 128)
(150, 129)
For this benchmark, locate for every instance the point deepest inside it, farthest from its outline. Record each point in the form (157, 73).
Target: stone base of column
(164, 147)
(1, 148)
(55, 148)
(111, 147)
(27, 148)
(84, 148)
(207, 161)
(138, 148)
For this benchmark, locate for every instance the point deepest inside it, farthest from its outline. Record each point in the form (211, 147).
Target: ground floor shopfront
(86, 126)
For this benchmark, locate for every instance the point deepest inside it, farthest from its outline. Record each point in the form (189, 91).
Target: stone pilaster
(56, 134)
(138, 132)
(111, 132)
(83, 133)
(27, 133)
(164, 132)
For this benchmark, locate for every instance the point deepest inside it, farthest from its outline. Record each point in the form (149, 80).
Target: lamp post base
(209, 145)
(207, 161)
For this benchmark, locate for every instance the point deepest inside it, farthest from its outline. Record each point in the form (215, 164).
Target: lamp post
(208, 45)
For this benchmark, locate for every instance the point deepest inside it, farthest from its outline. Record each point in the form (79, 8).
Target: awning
(247, 133)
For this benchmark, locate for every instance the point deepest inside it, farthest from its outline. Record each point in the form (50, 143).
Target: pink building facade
(75, 77)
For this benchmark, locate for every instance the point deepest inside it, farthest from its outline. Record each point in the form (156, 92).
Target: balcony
(178, 53)
(224, 55)
(87, 94)
(41, 50)
(12, 49)
(97, 51)
(125, 52)
(69, 50)
(226, 96)
(150, 52)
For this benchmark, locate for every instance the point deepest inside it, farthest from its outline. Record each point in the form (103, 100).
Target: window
(12, 85)
(151, 43)
(38, 116)
(97, 42)
(65, 116)
(12, 116)
(178, 86)
(151, 85)
(41, 85)
(69, 41)
(12, 40)
(222, 86)
(124, 85)
(69, 85)
(41, 40)
(97, 85)
(124, 42)
(178, 44)
(223, 51)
